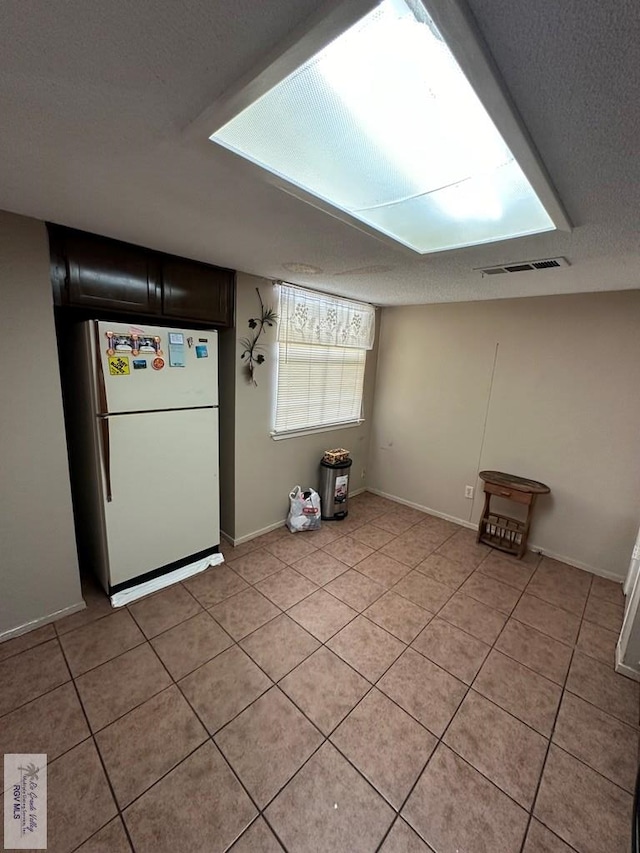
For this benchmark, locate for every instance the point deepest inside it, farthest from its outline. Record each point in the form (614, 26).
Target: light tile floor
(382, 684)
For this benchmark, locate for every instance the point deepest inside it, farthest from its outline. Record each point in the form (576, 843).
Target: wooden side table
(499, 530)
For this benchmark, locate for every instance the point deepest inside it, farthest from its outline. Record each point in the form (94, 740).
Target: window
(322, 348)
(383, 128)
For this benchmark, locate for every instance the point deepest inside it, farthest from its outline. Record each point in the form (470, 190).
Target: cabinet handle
(104, 419)
(106, 455)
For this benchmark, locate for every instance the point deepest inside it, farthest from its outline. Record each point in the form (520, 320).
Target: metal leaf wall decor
(252, 352)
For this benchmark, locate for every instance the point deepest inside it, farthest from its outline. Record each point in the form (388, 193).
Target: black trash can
(334, 489)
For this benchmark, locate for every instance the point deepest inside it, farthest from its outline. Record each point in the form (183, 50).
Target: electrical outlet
(362, 475)
(468, 492)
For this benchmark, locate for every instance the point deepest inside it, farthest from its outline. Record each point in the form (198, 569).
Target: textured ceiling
(95, 98)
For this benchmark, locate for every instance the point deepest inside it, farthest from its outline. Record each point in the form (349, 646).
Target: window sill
(297, 433)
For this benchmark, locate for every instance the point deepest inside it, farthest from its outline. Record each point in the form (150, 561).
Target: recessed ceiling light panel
(383, 125)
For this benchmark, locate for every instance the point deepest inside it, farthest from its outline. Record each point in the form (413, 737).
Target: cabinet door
(104, 273)
(198, 292)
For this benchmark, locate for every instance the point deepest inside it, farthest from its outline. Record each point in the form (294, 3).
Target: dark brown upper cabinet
(107, 274)
(95, 273)
(198, 292)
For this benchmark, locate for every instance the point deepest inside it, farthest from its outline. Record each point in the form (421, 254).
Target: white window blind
(322, 347)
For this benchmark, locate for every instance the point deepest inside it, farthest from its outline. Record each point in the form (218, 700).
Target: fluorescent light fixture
(382, 127)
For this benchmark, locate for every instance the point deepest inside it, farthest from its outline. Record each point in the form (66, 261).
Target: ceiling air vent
(525, 266)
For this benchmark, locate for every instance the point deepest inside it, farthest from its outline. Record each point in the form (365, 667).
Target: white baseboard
(226, 537)
(578, 564)
(562, 558)
(249, 536)
(40, 623)
(461, 521)
(623, 668)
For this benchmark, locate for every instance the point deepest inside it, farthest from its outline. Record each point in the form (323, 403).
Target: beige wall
(266, 470)
(38, 565)
(548, 388)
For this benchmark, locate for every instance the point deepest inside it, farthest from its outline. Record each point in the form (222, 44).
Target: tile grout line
(440, 739)
(326, 738)
(374, 685)
(407, 645)
(233, 642)
(358, 612)
(529, 811)
(493, 646)
(102, 765)
(29, 648)
(398, 811)
(614, 717)
(184, 758)
(573, 613)
(588, 766)
(211, 737)
(45, 692)
(121, 810)
(553, 728)
(93, 669)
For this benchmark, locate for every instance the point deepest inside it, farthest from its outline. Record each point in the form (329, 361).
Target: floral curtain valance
(309, 317)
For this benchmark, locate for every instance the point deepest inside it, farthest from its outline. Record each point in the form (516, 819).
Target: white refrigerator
(143, 442)
(628, 646)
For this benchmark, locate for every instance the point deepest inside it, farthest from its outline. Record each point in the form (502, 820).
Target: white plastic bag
(304, 510)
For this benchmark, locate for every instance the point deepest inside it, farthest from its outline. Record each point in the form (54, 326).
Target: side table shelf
(502, 531)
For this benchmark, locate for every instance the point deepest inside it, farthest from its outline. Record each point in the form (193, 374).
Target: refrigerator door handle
(106, 454)
(102, 404)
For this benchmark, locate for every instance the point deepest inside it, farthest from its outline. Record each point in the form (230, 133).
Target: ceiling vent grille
(525, 266)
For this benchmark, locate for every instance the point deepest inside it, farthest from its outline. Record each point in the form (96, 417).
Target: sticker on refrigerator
(202, 351)
(148, 343)
(176, 338)
(134, 343)
(157, 363)
(342, 484)
(139, 363)
(120, 343)
(118, 365)
(176, 353)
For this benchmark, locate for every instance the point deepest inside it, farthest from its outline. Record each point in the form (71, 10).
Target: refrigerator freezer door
(634, 569)
(165, 491)
(161, 374)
